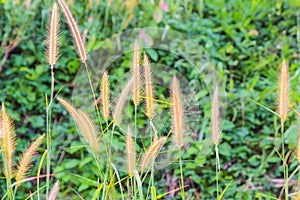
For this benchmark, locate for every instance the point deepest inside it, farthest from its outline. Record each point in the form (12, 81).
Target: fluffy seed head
(215, 117)
(283, 91)
(136, 73)
(130, 153)
(151, 152)
(25, 163)
(105, 95)
(54, 191)
(177, 112)
(74, 30)
(149, 88)
(52, 51)
(84, 123)
(121, 103)
(7, 143)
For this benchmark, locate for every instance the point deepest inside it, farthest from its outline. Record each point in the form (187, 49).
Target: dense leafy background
(246, 39)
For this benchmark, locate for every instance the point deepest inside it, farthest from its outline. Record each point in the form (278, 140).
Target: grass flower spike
(74, 30)
(130, 153)
(283, 91)
(177, 112)
(215, 117)
(54, 192)
(52, 51)
(7, 143)
(149, 88)
(105, 95)
(136, 73)
(84, 123)
(25, 163)
(121, 103)
(151, 153)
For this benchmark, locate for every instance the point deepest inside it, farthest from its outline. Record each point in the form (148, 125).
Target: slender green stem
(181, 177)
(94, 96)
(135, 123)
(217, 169)
(285, 173)
(48, 126)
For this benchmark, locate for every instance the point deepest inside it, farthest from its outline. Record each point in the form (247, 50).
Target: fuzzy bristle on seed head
(25, 163)
(54, 192)
(136, 73)
(74, 30)
(283, 91)
(130, 151)
(148, 86)
(8, 143)
(215, 117)
(105, 95)
(121, 103)
(84, 123)
(151, 152)
(52, 51)
(177, 113)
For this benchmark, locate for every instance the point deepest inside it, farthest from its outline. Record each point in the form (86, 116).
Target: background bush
(246, 39)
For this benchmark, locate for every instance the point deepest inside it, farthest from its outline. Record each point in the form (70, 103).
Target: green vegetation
(246, 40)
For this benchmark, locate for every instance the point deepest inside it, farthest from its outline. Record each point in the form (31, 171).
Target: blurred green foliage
(245, 39)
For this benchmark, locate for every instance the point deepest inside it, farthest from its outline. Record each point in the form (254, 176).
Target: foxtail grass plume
(8, 143)
(105, 95)
(121, 103)
(54, 192)
(283, 91)
(25, 163)
(84, 123)
(215, 117)
(52, 51)
(136, 73)
(148, 86)
(130, 151)
(151, 152)
(74, 30)
(177, 113)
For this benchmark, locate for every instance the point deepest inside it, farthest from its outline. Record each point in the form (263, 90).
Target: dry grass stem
(74, 30)
(105, 95)
(136, 73)
(52, 51)
(283, 91)
(177, 113)
(149, 88)
(151, 152)
(8, 143)
(130, 151)
(84, 123)
(215, 117)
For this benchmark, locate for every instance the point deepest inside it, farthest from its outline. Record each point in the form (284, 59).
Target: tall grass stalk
(52, 53)
(215, 126)
(136, 82)
(282, 112)
(8, 146)
(178, 124)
